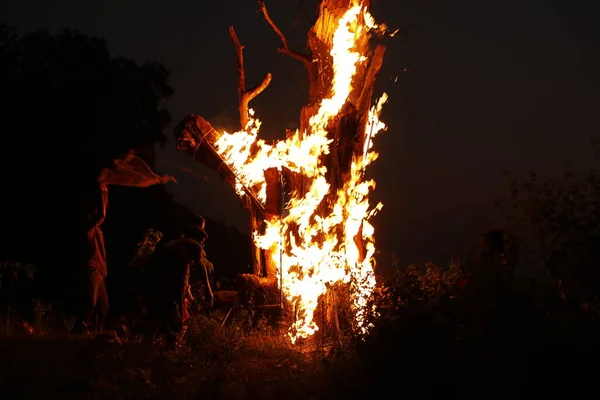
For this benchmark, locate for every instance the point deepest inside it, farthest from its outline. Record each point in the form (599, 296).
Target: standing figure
(128, 171)
(168, 282)
(207, 265)
(94, 297)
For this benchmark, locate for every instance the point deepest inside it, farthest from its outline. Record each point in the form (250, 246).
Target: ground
(213, 362)
(486, 338)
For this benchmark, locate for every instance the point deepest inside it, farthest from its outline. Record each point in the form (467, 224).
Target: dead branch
(250, 94)
(245, 96)
(285, 48)
(239, 52)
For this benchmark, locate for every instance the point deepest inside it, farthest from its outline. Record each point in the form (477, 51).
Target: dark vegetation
(472, 328)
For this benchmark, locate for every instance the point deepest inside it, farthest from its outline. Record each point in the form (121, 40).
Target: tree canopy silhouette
(561, 218)
(69, 108)
(66, 93)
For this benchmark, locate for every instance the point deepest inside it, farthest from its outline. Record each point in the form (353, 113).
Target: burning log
(307, 195)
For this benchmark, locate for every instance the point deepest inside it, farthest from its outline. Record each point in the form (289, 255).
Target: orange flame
(310, 266)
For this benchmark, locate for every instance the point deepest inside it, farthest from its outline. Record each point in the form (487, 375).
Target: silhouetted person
(128, 171)
(167, 279)
(206, 263)
(95, 297)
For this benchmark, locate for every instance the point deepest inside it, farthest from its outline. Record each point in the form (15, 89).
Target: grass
(232, 362)
(431, 338)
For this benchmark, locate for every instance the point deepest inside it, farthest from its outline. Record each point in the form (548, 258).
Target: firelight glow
(313, 257)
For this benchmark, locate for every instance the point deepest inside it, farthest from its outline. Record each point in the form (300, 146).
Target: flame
(313, 256)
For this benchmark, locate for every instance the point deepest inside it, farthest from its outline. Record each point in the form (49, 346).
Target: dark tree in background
(68, 108)
(560, 218)
(65, 93)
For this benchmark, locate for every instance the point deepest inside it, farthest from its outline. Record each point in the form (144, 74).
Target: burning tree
(307, 196)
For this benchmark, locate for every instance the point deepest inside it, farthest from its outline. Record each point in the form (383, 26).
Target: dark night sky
(490, 86)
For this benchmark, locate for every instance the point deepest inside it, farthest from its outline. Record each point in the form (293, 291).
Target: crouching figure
(167, 283)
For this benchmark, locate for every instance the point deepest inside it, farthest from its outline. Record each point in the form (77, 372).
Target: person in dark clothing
(129, 171)
(200, 222)
(94, 299)
(168, 281)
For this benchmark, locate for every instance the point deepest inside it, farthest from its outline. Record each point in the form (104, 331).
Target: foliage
(440, 329)
(65, 90)
(562, 216)
(69, 107)
(15, 284)
(425, 285)
(446, 328)
(215, 361)
(10, 273)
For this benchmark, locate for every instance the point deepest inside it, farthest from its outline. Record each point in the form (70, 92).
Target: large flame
(313, 258)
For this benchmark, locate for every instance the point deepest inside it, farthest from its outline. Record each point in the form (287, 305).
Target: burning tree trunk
(348, 129)
(321, 236)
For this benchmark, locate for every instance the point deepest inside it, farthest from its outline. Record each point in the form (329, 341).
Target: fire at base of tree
(307, 195)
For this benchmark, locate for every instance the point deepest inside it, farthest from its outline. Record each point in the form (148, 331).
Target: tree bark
(347, 130)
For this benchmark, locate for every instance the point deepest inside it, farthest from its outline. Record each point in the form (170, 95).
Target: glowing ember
(314, 254)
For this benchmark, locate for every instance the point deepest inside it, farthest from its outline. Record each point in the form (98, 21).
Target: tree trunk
(347, 130)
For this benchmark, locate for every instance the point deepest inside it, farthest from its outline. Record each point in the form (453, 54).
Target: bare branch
(249, 95)
(285, 48)
(239, 52)
(245, 96)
